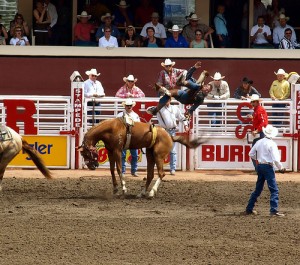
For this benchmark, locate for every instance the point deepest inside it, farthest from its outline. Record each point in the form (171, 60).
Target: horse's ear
(79, 148)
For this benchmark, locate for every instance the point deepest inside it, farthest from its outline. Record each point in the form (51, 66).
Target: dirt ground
(195, 219)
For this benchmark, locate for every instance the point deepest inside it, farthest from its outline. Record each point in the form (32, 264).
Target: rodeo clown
(130, 116)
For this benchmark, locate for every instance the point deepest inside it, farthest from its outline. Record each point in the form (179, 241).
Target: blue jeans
(134, 159)
(214, 115)
(278, 113)
(173, 154)
(265, 172)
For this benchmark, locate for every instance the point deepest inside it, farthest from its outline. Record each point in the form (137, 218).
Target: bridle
(90, 156)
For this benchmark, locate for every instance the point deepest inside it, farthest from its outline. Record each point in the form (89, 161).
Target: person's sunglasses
(168, 66)
(129, 106)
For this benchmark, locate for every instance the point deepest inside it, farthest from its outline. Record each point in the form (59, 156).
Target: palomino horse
(10, 145)
(116, 134)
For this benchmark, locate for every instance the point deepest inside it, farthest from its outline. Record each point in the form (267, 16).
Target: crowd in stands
(121, 27)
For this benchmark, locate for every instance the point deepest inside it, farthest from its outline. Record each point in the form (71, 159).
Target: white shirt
(91, 88)
(167, 117)
(18, 42)
(160, 31)
(278, 34)
(112, 42)
(260, 38)
(53, 14)
(221, 92)
(134, 116)
(266, 151)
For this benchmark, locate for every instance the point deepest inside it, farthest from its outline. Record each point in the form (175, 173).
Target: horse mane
(96, 126)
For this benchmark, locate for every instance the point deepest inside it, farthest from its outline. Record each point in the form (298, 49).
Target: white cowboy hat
(93, 71)
(193, 17)
(167, 62)
(282, 16)
(128, 102)
(84, 14)
(154, 14)
(217, 76)
(122, 4)
(107, 15)
(175, 28)
(293, 78)
(129, 78)
(280, 72)
(270, 131)
(255, 97)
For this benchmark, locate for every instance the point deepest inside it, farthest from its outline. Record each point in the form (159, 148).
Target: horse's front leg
(118, 159)
(112, 172)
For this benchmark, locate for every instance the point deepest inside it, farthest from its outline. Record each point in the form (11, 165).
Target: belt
(171, 129)
(265, 163)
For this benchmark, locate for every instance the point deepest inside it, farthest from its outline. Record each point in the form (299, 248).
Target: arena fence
(56, 125)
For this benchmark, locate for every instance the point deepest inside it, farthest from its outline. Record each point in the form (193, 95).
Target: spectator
(3, 34)
(93, 89)
(198, 42)
(167, 118)
(129, 114)
(267, 154)
(143, 12)
(160, 31)
(286, 42)
(108, 41)
(189, 30)
(151, 41)
(129, 89)
(107, 22)
(83, 30)
(279, 90)
(259, 121)
(221, 27)
(96, 9)
(51, 10)
(220, 91)
(176, 40)
(246, 90)
(19, 21)
(19, 39)
(41, 23)
(130, 39)
(123, 15)
(261, 36)
(278, 32)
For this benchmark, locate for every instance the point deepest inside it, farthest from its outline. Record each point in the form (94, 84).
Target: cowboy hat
(93, 71)
(193, 17)
(217, 76)
(128, 102)
(255, 97)
(282, 16)
(154, 14)
(122, 4)
(280, 72)
(270, 131)
(84, 14)
(129, 78)
(293, 77)
(107, 15)
(167, 62)
(175, 28)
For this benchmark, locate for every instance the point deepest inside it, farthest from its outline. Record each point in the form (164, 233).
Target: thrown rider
(194, 94)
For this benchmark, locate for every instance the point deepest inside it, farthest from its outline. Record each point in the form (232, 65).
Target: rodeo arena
(64, 196)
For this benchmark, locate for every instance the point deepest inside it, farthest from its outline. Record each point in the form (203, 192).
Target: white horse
(10, 145)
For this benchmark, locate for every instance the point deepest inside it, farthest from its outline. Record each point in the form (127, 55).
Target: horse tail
(36, 159)
(184, 139)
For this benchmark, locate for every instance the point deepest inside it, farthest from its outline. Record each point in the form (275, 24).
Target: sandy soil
(195, 219)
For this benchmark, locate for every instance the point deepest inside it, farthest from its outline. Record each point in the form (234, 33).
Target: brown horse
(10, 145)
(115, 135)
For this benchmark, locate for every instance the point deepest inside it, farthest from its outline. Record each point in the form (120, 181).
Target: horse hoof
(151, 194)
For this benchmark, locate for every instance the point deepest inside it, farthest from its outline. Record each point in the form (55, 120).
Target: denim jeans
(278, 113)
(265, 172)
(214, 115)
(134, 159)
(173, 154)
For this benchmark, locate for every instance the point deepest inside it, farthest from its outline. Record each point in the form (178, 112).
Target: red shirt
(260, 118)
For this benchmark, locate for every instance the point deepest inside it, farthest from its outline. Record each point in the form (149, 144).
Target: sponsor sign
(52, 149)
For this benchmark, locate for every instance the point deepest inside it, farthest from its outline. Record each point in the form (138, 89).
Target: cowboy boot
(162, 90)
(202, 77)
(181, 80)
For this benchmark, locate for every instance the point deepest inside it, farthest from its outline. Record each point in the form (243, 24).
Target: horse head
(90, 156)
